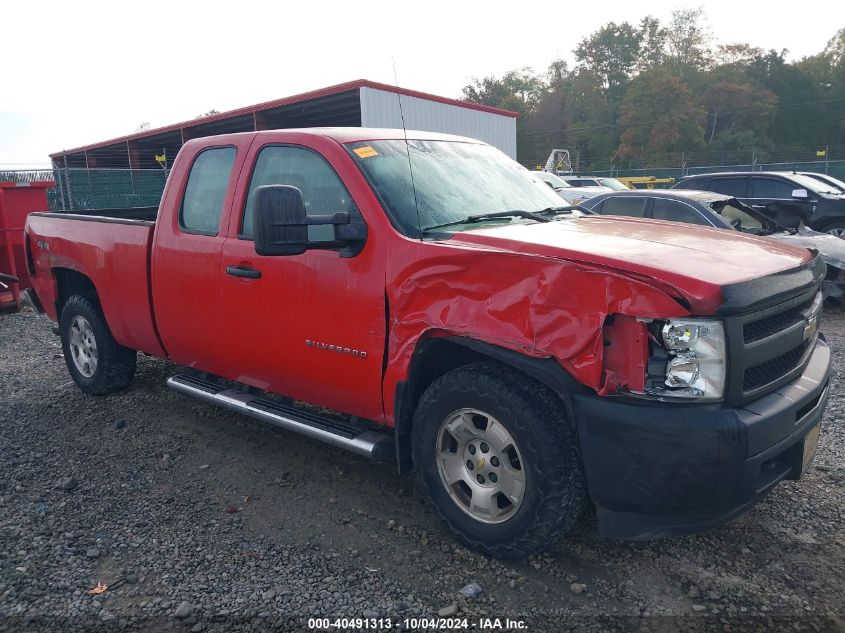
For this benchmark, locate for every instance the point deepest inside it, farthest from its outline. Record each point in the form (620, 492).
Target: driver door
(308, 326)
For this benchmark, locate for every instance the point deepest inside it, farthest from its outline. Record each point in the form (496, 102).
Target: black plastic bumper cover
(656, 469)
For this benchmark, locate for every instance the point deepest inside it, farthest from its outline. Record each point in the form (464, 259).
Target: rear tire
(505, 444)
(96, 362)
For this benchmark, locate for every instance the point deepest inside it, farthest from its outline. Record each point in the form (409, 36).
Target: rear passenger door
(186, 257)
(733, 186)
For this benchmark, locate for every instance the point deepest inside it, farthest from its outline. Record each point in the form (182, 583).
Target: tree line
(658, 92)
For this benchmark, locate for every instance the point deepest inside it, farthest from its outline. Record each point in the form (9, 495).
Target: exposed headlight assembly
(694, 356)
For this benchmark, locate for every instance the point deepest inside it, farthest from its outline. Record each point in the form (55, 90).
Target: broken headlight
(691, 363)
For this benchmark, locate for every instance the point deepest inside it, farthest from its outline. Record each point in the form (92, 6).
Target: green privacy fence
(89, 189)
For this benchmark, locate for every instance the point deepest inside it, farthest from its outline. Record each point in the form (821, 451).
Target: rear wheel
(96, 362)
(498, 458)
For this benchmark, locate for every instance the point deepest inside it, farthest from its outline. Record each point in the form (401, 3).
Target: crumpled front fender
(539, 306)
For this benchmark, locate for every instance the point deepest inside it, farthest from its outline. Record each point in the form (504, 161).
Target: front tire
(96, 362)
(835, 228)
(498, 458)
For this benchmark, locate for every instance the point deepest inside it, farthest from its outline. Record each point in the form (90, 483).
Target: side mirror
(281, 225)
(801, 194)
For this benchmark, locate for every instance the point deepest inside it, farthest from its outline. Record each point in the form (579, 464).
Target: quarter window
(205, 192)
(322, 190)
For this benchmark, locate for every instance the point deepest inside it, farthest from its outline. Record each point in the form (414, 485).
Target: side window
(322, 190)
(675, 211)
(208, 181)
(734, 187)
(771, 188)
(624, 205)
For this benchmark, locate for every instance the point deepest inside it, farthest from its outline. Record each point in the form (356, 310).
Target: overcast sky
(81, 72)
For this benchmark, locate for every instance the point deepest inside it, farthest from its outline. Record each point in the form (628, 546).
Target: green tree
(688, 42)
(611, 53)
(517, 90)
(736, 55)
(804, 115)
(653, 38)
(735, 106)
(659, 115)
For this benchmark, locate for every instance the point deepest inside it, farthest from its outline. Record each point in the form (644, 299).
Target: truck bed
(113, 253)
(140, 214)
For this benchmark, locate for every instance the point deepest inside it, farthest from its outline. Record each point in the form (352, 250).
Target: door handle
(242, 271)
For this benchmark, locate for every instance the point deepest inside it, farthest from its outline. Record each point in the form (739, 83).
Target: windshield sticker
(365, 152)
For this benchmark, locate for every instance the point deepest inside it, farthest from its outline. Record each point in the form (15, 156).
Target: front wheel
(497, 456)
(96, 362)
(836, 228)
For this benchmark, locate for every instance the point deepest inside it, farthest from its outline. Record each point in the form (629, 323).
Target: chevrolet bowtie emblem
(810, 328)
(480, 463)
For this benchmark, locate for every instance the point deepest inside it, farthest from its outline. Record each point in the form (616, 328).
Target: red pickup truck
(525, 359)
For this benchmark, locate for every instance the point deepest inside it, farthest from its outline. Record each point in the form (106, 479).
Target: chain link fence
(826, 160)
(832, 168)
(79, 189)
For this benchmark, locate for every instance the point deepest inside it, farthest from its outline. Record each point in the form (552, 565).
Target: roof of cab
(345, 135)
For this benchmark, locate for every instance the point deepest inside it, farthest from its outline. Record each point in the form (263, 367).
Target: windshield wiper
(481, 217)
(565, 209)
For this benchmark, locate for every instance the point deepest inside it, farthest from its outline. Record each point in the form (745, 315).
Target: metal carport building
(360, 103)
(124, 172)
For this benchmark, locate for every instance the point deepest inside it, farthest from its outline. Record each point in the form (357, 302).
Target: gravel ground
(198, 520)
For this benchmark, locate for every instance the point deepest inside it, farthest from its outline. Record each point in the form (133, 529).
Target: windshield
(613, 184)
(736, 216)
(555, 181)
(451, 182)
(834, 183)
(811, 184)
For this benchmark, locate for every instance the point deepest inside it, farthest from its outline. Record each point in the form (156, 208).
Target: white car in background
(594, 181)
(573, 195)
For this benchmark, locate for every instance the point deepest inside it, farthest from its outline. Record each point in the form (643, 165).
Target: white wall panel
(380, 108)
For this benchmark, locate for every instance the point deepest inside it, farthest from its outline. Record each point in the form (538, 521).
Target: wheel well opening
(437, 356)
(432, 359)
(69, 283)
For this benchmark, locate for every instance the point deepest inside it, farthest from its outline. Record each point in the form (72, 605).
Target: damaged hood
(684, 259)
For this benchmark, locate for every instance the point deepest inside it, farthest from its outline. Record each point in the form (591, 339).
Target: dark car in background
(720, 211)
(788, 197)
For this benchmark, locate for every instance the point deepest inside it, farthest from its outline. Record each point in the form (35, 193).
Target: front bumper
(656, 469)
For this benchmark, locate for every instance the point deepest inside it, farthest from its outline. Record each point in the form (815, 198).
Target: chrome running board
(343, 434)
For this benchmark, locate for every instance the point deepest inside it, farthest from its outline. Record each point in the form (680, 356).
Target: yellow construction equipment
(649, 181)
